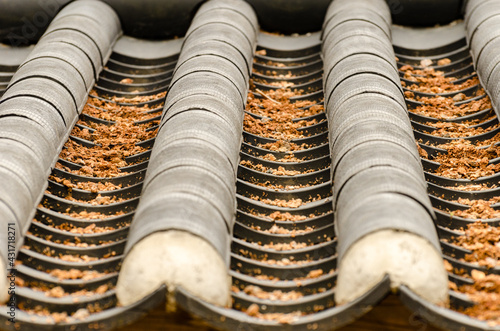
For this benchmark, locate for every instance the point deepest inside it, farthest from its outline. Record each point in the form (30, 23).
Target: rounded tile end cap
(176, 259)
(408, 259)
(4, 283)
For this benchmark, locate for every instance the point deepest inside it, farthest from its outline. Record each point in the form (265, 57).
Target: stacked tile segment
(182, 229)
(384, 219)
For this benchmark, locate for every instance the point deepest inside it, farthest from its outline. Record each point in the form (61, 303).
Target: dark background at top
(23, 22)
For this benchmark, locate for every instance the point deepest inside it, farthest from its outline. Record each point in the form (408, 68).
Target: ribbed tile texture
(42, 102)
